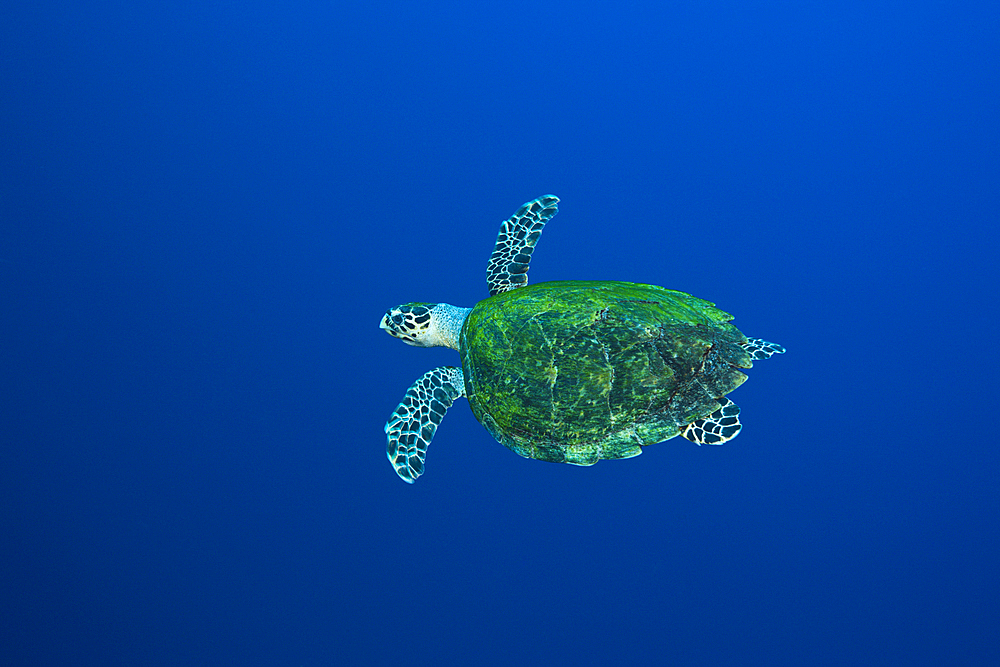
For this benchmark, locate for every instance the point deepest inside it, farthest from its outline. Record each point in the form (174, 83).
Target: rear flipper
(721, 425)
(760, 349)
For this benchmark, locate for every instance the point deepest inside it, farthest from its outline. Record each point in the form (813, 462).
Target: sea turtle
(571, 371)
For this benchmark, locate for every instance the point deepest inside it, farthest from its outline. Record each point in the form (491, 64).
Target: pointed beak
(384, 324)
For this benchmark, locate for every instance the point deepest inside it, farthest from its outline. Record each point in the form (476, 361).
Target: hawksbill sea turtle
(571, 371)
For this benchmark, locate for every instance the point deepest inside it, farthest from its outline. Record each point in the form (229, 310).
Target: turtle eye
(395, 323)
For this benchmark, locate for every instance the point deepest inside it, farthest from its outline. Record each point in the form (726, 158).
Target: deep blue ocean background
(208, 206)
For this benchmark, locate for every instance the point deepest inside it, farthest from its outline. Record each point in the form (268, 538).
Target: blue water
(207, 207)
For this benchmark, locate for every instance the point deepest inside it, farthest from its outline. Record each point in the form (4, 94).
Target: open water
(207, 208)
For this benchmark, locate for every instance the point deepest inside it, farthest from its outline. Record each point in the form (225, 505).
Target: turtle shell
(578, 371)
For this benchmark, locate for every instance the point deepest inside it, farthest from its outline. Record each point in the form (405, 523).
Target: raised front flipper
(715, 429)
(508, 266)
(414, 421)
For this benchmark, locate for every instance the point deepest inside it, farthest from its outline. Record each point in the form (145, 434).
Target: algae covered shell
(579, 371)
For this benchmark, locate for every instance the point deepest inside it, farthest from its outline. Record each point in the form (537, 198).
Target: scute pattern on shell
(579, 371)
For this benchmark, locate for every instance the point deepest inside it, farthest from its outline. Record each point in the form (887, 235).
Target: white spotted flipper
(508, 265)
(761, 349)
(715, 429)
(412, 424)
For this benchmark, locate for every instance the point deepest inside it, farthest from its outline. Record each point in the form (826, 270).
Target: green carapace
(571, 371)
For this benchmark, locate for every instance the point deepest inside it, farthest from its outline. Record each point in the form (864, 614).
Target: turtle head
(425, 324)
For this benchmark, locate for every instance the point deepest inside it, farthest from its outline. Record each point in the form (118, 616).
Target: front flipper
(508, 266)
(715, 429)
(414, 421)
(761, 349)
